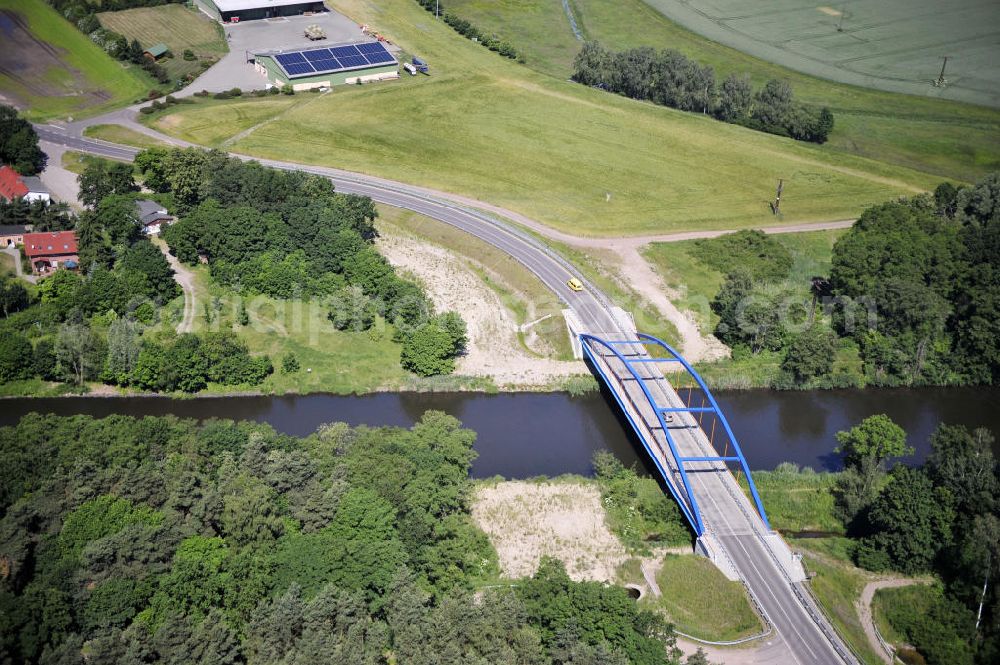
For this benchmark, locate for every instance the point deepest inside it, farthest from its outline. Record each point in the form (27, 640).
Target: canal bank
(522, 435)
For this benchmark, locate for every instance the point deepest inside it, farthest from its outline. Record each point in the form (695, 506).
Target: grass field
(176, 26)
(722, 612)
(572, 157)
(945, 138)
(124, 136)
(797, 502)
(50, 69)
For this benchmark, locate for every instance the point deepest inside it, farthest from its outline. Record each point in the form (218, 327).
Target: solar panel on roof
(337, 58)
(370, 47)
(289, 58)
(318, 54)
(298, 68)
(345, 51)
(353, 61)
(324, 66)
(379, 58)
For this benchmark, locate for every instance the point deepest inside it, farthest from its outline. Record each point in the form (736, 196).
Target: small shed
(157, 51)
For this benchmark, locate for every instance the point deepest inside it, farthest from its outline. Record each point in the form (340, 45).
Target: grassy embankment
(124, 136)
(78, 79)
(572, 157)
(695, 284)
(518, 289)
(176, 26)
(697, 598)
(946, 138)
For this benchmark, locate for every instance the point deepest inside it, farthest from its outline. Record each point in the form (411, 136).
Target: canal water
(529, 434)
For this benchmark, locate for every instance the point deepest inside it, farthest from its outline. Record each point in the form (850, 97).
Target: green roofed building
(157, 51)
(316, 67)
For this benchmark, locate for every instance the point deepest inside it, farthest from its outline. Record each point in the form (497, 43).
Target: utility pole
(941, 80)
(437, 8)
(840, 23)
(776, 206)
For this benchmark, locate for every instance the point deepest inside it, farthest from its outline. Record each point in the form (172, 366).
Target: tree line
(940, 518)
(469, 30)
(912, 287)
(138, 540)
(288, 234)
(669, 78)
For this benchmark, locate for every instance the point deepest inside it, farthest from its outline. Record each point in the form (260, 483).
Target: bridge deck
(735, 536)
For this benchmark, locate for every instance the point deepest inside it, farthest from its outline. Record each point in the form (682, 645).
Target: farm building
(233, 11)
(315, 67)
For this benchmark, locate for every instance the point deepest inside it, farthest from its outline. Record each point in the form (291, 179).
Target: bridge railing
(689, 507)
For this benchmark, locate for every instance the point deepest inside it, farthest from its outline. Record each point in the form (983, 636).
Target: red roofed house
(50, 251)
(13, 186)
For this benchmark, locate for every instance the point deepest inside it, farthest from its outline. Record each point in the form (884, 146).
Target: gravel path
(864, 606)
(185, 278)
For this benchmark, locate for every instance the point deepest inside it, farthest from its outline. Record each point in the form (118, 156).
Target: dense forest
(147, 540)
(941, 518)
(914, 287)
(670, 78)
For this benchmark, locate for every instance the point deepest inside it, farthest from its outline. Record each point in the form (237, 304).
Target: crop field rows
(895, 45)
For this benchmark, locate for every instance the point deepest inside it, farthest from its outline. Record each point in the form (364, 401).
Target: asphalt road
(800, 637)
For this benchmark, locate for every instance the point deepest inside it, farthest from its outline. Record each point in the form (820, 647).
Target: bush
(146, 110)
(290, 363)
(189, 54)
(287, 89)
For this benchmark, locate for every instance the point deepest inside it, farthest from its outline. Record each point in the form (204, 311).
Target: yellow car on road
(575, 284)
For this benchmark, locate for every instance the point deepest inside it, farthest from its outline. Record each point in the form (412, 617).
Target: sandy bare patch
(493, 349)
(565, 520)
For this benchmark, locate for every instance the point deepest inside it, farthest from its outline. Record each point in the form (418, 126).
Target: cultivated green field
(174, 25)
(572, 157)
(50, 69)
(946, 138)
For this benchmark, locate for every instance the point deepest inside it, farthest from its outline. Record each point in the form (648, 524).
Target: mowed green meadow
(950, 139)
(78, 79)
(176, 26)
(572, 157)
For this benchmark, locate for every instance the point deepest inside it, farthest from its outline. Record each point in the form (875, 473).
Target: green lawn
(573, 157)
(66, 73)
(942, 137)
(722, 610)
(176, 26)
(124, 136)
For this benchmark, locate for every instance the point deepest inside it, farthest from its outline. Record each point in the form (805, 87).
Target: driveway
(233, 70)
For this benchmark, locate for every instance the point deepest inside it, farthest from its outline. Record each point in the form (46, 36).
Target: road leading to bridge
(803, 636)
